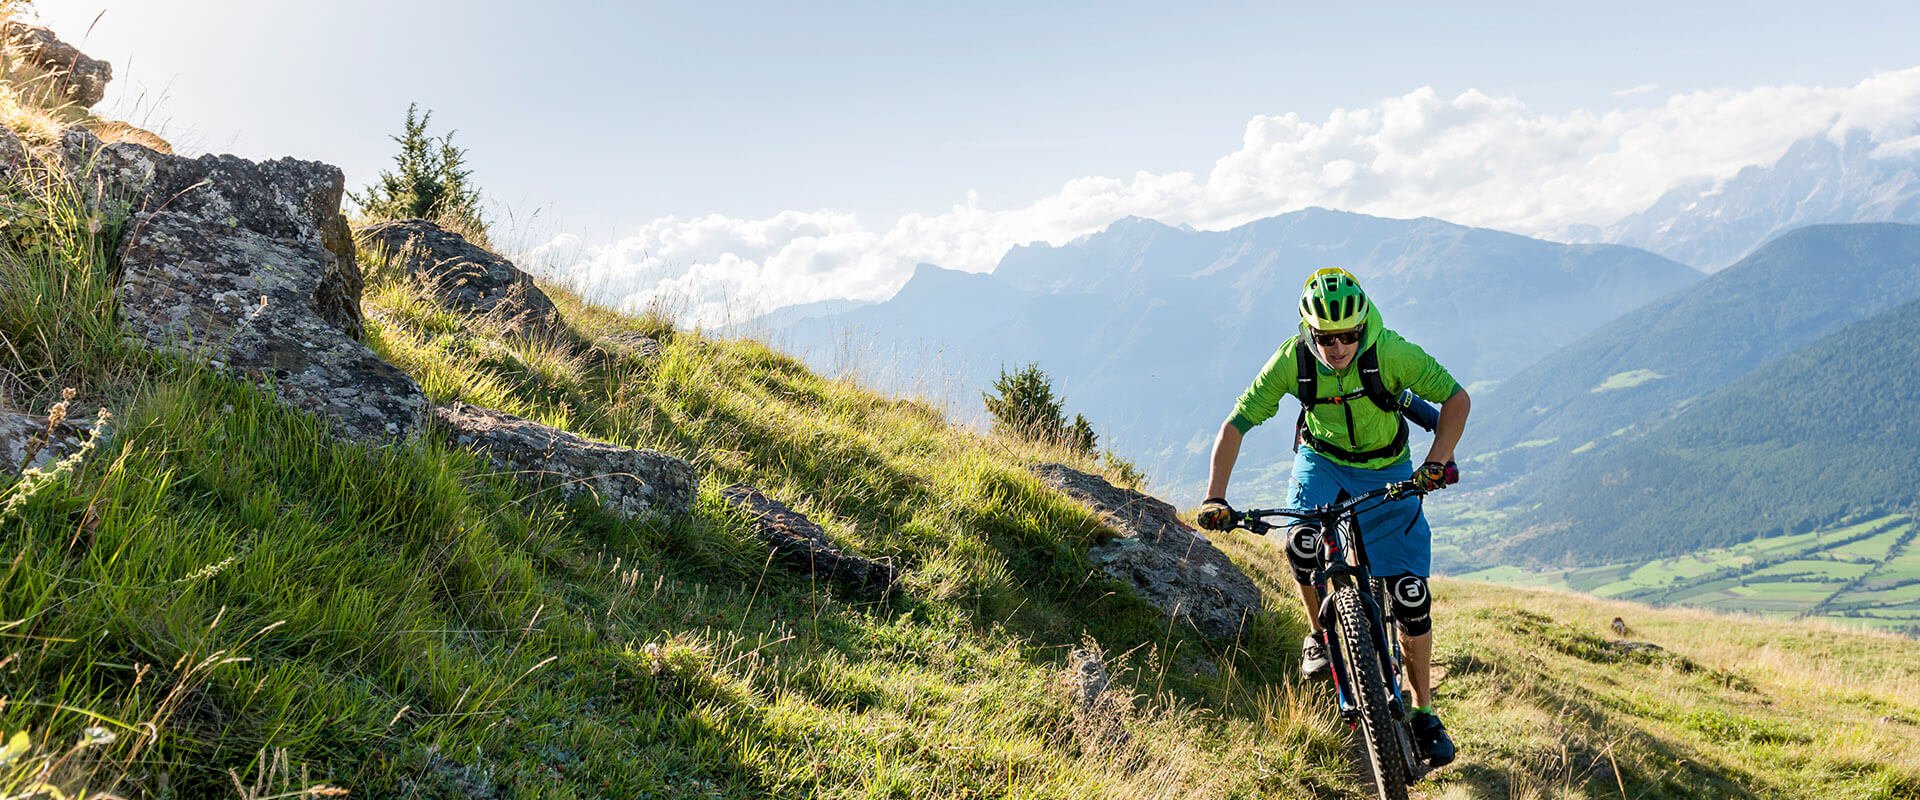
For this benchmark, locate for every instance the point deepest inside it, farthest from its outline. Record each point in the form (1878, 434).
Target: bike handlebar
(1256, 519)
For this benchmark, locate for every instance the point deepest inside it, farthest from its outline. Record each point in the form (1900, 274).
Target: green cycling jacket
(1403, 365)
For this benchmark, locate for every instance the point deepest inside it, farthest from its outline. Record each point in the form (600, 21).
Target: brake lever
(1253, 525)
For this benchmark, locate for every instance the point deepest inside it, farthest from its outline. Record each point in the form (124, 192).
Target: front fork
(1388, 651)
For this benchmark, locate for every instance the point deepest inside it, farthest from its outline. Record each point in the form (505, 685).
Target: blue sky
(876, 134)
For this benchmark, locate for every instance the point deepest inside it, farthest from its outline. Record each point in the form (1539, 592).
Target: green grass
(398, 620)
(1873, 549)
(1732, 707)
(224, 601)
(406, 618)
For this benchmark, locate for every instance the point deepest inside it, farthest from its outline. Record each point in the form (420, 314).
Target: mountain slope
(226, 599)
(1634, 370)
(1815, 436)
(230, 591)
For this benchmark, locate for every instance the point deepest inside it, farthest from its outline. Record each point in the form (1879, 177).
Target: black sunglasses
(1343, 337)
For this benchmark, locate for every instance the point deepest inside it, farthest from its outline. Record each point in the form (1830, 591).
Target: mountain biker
(1349, 439)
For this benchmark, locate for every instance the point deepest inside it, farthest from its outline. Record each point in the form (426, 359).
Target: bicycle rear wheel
(1361, 654)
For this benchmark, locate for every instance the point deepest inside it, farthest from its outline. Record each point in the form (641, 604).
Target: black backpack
(1372, 388)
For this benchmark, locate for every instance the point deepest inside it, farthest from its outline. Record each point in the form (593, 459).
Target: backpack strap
(1372, 387)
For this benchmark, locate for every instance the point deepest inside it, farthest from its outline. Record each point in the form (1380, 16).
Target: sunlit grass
(223, 600)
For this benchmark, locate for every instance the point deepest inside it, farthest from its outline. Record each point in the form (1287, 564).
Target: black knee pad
(1412, 603)
(1303, 551)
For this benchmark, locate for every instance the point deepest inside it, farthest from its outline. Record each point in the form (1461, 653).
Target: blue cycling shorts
(1395, 534)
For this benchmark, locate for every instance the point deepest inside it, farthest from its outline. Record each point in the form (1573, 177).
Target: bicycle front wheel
(1361, 654)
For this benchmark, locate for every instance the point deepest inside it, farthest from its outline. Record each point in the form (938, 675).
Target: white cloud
(1645, 88)
(1472, 158)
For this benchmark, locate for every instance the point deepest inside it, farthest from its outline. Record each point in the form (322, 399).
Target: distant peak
(1131, 221)
(931, 269)
(933, 275)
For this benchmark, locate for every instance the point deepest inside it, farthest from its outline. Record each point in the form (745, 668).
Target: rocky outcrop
(626, 350)
(56, 73)
(630, 344)
(630, 483)
(13, 156)
(26, 442)
(249, 265)
(463, 277)
(800, 544)
(1166, 562)
(1636, 648)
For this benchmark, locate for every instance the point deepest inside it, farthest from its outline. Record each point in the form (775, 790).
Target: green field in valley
(1866, 572)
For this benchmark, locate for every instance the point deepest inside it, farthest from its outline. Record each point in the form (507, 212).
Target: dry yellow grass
(1545, 706)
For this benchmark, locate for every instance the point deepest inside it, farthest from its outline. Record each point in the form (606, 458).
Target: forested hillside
(1633, 372)
(1808, 439)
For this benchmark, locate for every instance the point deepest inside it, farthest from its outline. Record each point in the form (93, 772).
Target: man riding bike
(1349, 371)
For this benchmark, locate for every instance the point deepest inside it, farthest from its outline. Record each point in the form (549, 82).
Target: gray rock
(631, 344)
(65, 75)
(13, 156)
(1087, 677)
(249, 265)
(462, 276)
(630, 483)
(24, 443)
(1636, 648)
(802, 546)
(1166, 562)
(627, 350)
(1099, 712)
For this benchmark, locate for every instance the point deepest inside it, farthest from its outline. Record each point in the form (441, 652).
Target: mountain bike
(1363, 639)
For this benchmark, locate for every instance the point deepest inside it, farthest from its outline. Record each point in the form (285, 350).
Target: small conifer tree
(430, 180)
(1024, 405)
(1080, 436)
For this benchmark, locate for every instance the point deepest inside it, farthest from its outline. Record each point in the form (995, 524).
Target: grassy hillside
(222, 587)
(224, 601)
(1729, 707)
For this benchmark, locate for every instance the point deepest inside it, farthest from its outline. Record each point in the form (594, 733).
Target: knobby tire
(1369, 686)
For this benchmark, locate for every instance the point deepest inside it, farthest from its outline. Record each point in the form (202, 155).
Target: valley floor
(1864, 574)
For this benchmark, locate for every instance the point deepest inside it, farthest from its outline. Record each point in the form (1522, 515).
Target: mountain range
(1709, 224)
(1592, 365)
(1152, 331)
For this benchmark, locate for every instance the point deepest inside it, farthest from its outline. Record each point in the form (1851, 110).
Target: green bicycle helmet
(1332, 301)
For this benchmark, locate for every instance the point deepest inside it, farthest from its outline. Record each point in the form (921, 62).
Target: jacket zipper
(1351, 442)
